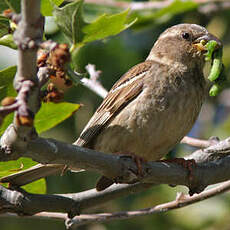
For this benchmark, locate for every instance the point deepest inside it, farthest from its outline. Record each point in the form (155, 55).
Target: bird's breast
(155, 121)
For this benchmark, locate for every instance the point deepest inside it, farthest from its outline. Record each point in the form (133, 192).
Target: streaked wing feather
(120, 95)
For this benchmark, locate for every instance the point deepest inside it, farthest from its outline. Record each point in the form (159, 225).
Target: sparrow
(151, 107)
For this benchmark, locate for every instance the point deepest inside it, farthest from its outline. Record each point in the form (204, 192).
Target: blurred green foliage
(114, 56)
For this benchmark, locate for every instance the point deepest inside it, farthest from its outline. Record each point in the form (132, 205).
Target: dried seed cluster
(56, 60)
(52, 94)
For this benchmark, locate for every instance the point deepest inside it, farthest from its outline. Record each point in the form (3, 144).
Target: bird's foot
(105, 182)
(137, 159)
(187, 164)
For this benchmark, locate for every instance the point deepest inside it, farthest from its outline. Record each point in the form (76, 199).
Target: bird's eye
(185, 35)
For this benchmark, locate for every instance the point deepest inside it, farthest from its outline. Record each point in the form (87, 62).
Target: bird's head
(183, 43)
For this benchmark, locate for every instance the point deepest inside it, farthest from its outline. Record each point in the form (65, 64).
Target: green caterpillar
(217, 67)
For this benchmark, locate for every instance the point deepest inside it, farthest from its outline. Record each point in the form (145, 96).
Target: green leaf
(49, 115)
(92, 11)
(6, 90)
(106, 25)
(52, 114)
(9, 167)
(8, 41)
(6, 38)
(37, 187)
(6, 82)
(47, 8)
(70, 21)
(6, 122)
(14, 5)
(4, 26)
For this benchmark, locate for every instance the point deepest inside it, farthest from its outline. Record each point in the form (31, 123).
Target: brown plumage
(155, 104)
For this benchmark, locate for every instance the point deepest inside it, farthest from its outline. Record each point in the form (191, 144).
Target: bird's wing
(122, 93)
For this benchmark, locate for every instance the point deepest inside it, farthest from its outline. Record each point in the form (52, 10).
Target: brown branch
(23, 203)
(41, 215)
(158, 172)
(28, 33)
(123, 169)
(180, 202)
(5, 110)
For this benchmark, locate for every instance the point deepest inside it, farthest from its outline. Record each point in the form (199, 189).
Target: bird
(151, 107)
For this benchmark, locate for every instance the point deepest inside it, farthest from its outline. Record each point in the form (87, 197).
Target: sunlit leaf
(4, 26)
(106, 25)
(6, 90)
(6, 82)
(52, 114)
(6, 122)
(92, 11)
(46, 6)
(37, 187)
(70, 21)
(9, 167)
(7, 40)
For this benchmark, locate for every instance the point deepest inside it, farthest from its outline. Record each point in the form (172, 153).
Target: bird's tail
(32, 174)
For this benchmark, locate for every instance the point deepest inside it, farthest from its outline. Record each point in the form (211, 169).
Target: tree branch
(180, 202)
(212, 163)
(92, 82)
(17, 202)
(24, 203)
(198, 142)
(27, 103)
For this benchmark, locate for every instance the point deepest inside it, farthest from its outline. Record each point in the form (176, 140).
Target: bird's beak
(200, 42)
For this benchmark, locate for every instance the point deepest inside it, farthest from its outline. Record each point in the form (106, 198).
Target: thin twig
(92, 82)
(24, 203)
(26, 36)
(195, 142)
(40, 215)
(5, 110)
(181, 201)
